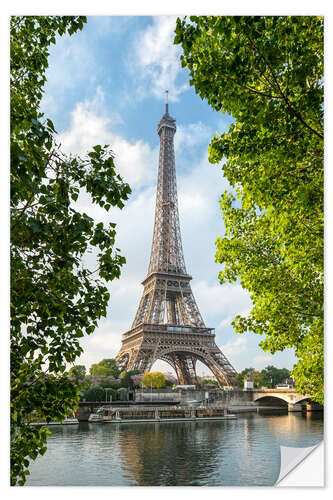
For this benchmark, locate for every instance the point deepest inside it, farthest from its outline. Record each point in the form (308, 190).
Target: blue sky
(106, 85)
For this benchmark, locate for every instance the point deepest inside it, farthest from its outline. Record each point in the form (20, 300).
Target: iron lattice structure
(168, 324)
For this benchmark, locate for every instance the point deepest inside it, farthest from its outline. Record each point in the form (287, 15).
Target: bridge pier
(294, 407)
(313, 407)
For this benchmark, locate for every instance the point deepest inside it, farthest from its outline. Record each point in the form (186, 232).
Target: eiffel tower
(168, 324)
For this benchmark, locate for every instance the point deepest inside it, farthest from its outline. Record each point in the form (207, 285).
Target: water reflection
(236, 452)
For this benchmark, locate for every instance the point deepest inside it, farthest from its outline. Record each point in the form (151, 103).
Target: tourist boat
(163, 414)
(69, 420)
(95, 417)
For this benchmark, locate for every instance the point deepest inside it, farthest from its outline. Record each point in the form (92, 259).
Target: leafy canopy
(94, 393)
(267, 72)
(55, 297)
(268, 377)
(106, 368)
(153, 379)
(78, 372)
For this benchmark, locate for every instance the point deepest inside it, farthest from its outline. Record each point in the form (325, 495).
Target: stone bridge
(287, 397)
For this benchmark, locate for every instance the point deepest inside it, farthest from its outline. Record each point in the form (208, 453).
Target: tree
(94, 393)
(273, 376)
(78, 372)
(126, 380)
(55, 298)
(257, 377)
(267, 73)
(111, 394)
(153, 379)
(106, 367)
(136, 380)
(108, 382)
(122, 393)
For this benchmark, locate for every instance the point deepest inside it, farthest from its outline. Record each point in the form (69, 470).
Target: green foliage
(256, 377)
(133, 372)
(126, 380)
(78, 372)
(108, 382)
(122, 393)
(153, 379)
(94, 393)
(268, 377)
(55, 299)
(272, 376)
(111, 392)
(267, 72)
(106, 367)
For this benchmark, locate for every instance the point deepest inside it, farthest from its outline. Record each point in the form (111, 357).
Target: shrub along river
(241, 452)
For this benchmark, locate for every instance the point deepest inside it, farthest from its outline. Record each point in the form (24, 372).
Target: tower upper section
(167, 251)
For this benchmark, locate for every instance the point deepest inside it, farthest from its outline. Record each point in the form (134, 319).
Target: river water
(241, 452)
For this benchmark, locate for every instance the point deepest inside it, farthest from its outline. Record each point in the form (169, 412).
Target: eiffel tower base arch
(181, 351)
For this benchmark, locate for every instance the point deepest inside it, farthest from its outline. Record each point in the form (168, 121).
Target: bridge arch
(303, 399)
(290, 397)
(271, 400)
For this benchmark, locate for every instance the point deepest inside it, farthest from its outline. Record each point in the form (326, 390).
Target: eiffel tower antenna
(168, 324)
(166, 102)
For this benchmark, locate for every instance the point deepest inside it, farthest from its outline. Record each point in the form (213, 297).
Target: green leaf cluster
(94, 393)
(55, 297)
(106, 368)
(78, 372)
(153, 379)
(267, 73)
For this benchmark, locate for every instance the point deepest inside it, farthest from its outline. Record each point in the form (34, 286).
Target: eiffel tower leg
(185, 370)
(142, 362)
(172, 361)
(222, 370)
(191, 362)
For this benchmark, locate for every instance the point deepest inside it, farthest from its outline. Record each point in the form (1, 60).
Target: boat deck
(169, 419)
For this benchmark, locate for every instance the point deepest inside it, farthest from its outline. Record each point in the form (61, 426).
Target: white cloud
(72, 60)
(192, 135)
(234, 347)
(217, 300)
(135, 160)
(155, 59)
(103, 343)
(261, 361)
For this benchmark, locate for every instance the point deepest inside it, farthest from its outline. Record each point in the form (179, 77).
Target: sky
(106, 85)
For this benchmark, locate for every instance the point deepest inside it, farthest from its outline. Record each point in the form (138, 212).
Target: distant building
(288, 383)
(184, 387)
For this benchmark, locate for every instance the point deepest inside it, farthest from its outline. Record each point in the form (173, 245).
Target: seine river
(242, 452)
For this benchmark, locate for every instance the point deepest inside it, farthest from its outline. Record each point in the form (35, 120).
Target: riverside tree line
(106, 381)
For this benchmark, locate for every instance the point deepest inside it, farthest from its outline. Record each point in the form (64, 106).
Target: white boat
(95, 417)
(69, 420)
